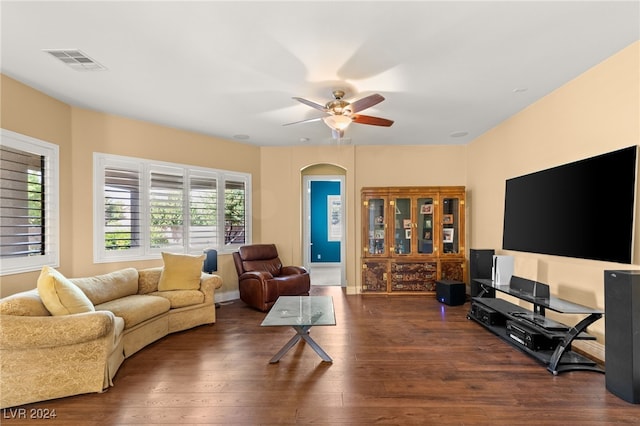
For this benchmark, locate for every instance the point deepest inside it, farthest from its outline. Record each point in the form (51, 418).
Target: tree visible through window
(234, 212)
(203, 211)
(166, 213)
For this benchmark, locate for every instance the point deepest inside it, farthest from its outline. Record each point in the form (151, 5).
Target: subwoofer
(622, 334)
(451, 292)
(480, 264)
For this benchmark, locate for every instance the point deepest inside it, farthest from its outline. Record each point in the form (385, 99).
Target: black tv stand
(531, 331)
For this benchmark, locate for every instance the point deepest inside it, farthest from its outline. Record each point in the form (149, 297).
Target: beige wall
(31, 113)
(281, 194)
(282, 198)
(80, 133)
(596, 113)
(98, 132)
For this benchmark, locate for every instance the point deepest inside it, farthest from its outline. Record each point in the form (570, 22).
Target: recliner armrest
(293, 270)
(259, 275)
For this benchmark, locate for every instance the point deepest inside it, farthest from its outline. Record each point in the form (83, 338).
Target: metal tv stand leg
(566, 343)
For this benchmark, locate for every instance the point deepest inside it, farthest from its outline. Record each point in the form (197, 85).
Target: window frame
(99, 251)
(145, 167)
(51, 181)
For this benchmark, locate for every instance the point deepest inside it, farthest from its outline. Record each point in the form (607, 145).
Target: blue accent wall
(322, 250)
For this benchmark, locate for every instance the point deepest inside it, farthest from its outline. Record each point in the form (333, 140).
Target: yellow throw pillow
(181, 272)
(60, 296)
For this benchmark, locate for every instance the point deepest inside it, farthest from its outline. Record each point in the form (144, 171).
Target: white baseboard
(226, 296)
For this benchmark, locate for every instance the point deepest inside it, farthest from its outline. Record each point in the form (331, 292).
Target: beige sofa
(45, 356)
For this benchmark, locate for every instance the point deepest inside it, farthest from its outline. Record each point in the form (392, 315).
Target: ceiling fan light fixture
(337, 122)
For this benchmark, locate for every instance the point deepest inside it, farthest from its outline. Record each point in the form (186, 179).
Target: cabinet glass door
(424, 228)
(450, 225)
(376, 222)
(402, 226)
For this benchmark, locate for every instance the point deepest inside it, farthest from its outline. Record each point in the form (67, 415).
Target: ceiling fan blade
(311, 104)
(366, 102)
(309, 120)
(367, 119)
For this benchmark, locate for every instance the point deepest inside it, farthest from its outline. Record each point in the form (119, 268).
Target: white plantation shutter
(22, 206)
(235, 195)
(147, 207)
(166, 209)
(122, 229)
(28, 203)
(203, 211)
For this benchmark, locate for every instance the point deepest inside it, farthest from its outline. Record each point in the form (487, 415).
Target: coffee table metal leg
(302, 332)
(291, 343)
(317, 348)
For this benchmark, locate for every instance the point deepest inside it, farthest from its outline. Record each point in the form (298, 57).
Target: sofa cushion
(181, 272)
(27, 303)
(136, 308)
(61, 296)
(111, 286)
(148, 279)
(181, 298)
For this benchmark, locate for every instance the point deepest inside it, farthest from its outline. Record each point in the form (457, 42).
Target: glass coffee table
(301, 313)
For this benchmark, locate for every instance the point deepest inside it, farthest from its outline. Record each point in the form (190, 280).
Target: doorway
(324, 229)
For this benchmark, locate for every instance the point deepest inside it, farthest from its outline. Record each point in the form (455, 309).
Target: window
(29, 204)
(166, 209)
(121, 207)
(144, 207)
(203, 210)
(235, 212)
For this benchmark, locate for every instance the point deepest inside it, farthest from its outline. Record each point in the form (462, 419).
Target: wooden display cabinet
(415, 235)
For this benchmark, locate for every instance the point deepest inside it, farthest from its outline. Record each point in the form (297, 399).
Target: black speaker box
(622, 334)
(451, 292)
(480, 264)
(211, 261)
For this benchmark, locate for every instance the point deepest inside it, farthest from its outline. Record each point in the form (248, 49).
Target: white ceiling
(231, 68)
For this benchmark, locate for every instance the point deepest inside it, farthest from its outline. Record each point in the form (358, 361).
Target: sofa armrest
(293, 270)
(208, 284)
(24, 332)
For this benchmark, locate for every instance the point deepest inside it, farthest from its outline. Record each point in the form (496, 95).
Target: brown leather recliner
(262, 278)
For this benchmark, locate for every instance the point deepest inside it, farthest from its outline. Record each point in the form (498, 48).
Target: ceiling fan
(342, 113)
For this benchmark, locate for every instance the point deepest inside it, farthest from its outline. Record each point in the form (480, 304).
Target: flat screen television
(583, 209)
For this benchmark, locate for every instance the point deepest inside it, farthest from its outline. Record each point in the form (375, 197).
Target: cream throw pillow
(181, 272)
(60, 296)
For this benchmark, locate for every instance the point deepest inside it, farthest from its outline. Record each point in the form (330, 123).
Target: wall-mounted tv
(583, 209)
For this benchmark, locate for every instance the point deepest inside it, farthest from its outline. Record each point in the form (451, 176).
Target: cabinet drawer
(413, 276)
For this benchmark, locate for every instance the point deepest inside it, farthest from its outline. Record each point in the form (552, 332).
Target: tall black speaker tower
(622, 334)
(480, 264)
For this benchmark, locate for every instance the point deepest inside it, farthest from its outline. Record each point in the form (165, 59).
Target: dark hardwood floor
(397, 361)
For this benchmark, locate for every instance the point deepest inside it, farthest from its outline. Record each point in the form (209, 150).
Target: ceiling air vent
(75, 59)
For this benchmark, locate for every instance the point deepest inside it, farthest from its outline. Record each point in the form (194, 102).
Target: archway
(324, 218)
